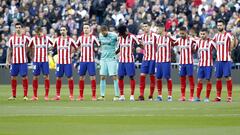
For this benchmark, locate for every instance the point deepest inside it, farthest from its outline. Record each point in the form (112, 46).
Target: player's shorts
(126, 69)
(62, 69)
(108, 67)
(163, 70)
(186, 70)
(223, 68)
(40, 66)
(205, 72)
(21, 69)
(87, 66)
(148, 67)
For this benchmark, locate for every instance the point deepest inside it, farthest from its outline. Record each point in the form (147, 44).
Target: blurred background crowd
(51, 14)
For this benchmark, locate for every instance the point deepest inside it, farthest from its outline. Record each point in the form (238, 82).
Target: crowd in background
(51, 14)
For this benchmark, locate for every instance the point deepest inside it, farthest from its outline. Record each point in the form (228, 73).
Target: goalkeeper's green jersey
(108, 46)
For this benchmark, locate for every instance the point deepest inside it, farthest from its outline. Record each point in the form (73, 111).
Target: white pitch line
(122, 115)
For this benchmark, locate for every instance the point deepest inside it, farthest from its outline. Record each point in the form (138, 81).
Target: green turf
(117, 118)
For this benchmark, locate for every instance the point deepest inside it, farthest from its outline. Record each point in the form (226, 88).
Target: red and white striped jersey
(149, 42)
(223, 46)
(64, 49)
(164, 46)
(40, 44)
(185, 46)
(126, 46)
(19, 46)
(205, 50)
(86, 44)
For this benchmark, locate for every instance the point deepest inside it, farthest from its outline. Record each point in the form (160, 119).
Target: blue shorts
(21, 69)
(186, 70)
(64, 68)
(126, 69)
(148, 67)
(87, 66)
(163, 70)
(223, 68)
(205, 72)
(40, 66)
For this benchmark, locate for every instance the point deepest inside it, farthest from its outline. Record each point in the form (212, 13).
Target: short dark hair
(221, 21)
(104, 28)
(183, 28)
(122, 29)
(204, 30)
(146, 22)
(18, 23)
(38, 29)
(86, 23)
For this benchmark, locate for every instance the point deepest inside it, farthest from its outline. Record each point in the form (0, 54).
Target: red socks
(199, 89)
(47, 86)
(25, 86)
(229, 88)
(93, 84)
(209, 88)
(159, 86)
(14, 87)
(35, 87)
(121, 86)
(191, 82)
(169, 85)
(219, 87)
(58, 86)
(152, 84)
(132, 85)
(142, 85)
(183, 85)
(71, 87)
(81, 87)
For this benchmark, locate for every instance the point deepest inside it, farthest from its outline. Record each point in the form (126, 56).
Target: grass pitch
(117, 118)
